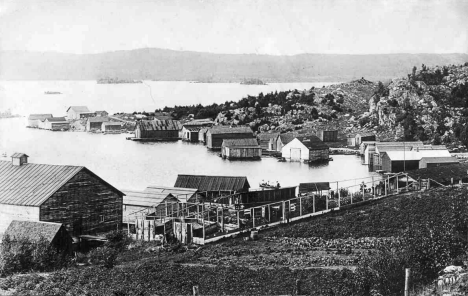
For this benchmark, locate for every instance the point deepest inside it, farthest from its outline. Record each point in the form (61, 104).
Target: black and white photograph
(234, 147)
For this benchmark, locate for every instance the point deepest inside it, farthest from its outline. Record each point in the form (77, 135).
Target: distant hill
(162, 64)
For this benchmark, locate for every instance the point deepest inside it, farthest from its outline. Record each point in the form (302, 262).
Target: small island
(253, 81)
(116, 81)
(52, 93)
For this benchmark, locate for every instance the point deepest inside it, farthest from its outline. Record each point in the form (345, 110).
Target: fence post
(373, 187)
(300, 206)
(269, 214)
(203, 220)
(407, 188)
(396, 180)
(298, 287)
(238, 220)
(313, 203)
(284, 211)
(338, 192)
(222, 218)
(407, 278)
(385, 185)
(195, 291)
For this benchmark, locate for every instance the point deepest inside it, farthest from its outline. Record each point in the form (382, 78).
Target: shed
(241, 149)
(158, 129)
(313, 187)
(308, 148)
(75, 112)
(259, 196)
(216, 135)
(398, 161)
(351, 140)
(95, 123)
(268, 141)
(284, 139)
(56, 124)
(71, 195)
(202, 135)
(428, 162)
(35, 119)
(327, 135)
(102, 113)
(213, 186)
(190, 133)
(142, 203)
(443, 174)
(111, 126)
(54, 234)
(182, 194)
(361, 137)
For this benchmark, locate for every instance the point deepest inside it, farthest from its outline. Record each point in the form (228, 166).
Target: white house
(307, 148)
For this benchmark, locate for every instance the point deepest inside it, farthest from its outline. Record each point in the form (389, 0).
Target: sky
(275, 27)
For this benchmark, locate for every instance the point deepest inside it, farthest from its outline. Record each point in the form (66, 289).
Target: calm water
(25, 97)
(131, 165)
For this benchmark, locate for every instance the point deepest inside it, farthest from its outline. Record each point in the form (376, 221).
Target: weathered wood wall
(215, 141)
(164, 134)
(242, 153)
(318, 155)
(85, 205)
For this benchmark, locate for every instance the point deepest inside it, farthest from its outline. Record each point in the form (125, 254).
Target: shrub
(118, 239)
(103, 256)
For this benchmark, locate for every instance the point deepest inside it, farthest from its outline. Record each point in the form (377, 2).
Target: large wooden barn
(71, 195)
(216, 135)
(309, 148)
(213, 186)
(241, 149)
(158, 129)
(34, 120)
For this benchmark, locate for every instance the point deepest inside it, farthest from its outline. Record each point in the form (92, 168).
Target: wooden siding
(256, 197)
(319, 155)
(328, 136)
(94, 125)
(80, 205)
(397, 166)
(55, 126)
(215, 141)
(148, 134)
(242, 152)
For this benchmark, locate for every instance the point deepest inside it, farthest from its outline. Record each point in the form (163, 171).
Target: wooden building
(284, 139)
(111, 127)
(361, 137)
(399, 161)
(184, 195)
(190, 133)
(314, 188)
(429, 162)
(259, 196)
(54, 234)
(55, 124)
(202, 135)
(71, 195)
(216, 135)
(35, 119)
(102, 113)
(143, 203)
(77, 112)
(351, 140)
(213, 186)
(95, 123)
(327, 135)
(158, 129)
(309, 148)
(442, 174)
(267, 141)
(241, 149)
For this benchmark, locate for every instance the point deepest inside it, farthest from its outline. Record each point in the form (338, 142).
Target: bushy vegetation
(23, 255)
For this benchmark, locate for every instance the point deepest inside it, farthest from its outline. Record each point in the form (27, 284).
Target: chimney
(19, 159)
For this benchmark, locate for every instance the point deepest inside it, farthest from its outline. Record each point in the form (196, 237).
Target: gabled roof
(313, 142)
(313, 187)
(216, 130)
(440, 160)
(79, 108)
(366, 134)
(250, 142)
(39, 116)
(32, 184)
(287, 137)
(32, 230)
(192, 128)
(17, 154)
(212, 183)
(267, 136)
(178, 192)
(159, 125)
(200, 122)
(98, 119)
(56, 119)
(416, 155)
(144, 198)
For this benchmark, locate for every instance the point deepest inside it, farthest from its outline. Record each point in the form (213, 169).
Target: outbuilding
(190, 133)
(213, 186)
(309, 148)
(284, 139)
(399, 161)
(77, 112)
(241, 149)
(102, 113)
(268, 141)
(182, 194)
(429, 162)
(54, 234)
(71, 195)
(158, 129)
(35, 119)
(55, 124)
(143, 203)
(216, 135)
(327, 135)
(95, 123)
(111, 127)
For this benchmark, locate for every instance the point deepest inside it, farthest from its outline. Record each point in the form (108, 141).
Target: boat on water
(52, 93)
(268, 185)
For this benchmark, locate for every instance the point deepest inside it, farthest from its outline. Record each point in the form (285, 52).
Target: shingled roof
(313, 142)
(144, 198)
(230, 130)
(159, 125)
(32, 184)
(180, 193)
(267, 136)
(287, 137)
(212, 183)
(79, 108)
(32, 230)
(249, 142)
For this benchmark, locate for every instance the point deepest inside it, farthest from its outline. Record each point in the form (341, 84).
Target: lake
(131, 165)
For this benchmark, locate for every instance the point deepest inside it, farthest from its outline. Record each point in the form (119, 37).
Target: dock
(153, 139)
